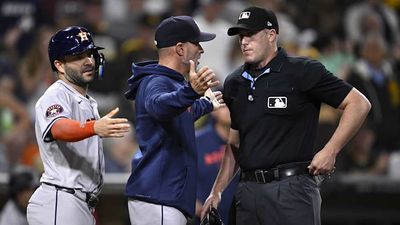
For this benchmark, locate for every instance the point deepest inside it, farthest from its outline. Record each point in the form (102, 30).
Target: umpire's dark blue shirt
(277, 113)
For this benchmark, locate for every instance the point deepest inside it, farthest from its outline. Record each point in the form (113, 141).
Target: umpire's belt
(273, 174)
(90, 198)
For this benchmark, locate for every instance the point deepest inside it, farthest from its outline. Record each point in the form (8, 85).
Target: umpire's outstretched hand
(111, 127)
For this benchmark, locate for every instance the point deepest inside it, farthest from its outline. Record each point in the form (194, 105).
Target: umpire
(274, 101)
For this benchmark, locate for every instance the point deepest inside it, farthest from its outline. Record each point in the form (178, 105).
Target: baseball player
(69, 130)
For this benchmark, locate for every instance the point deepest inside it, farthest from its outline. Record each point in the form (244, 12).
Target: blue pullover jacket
(166, 108)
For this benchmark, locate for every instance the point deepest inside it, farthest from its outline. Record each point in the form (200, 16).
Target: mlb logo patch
(277, 102)
(244, 15)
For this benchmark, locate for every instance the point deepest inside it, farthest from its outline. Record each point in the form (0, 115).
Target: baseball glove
(212, 218)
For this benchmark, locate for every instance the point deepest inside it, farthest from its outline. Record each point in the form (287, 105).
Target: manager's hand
(203, 79)
(212, 200)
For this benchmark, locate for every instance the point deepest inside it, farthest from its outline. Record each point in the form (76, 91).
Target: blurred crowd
(357, 40)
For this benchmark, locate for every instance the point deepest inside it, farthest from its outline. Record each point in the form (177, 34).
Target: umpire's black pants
(291, 201)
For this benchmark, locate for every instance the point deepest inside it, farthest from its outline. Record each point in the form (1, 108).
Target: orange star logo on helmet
(83, 36)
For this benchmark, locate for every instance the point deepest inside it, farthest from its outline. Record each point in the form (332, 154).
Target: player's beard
(76, 77)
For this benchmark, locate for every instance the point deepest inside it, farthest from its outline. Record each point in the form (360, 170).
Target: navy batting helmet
(71, 41)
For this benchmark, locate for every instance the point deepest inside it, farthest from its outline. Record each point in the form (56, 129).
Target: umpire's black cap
(254, 19)
(179, 29)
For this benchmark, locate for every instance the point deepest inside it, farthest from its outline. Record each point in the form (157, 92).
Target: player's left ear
(59, 65)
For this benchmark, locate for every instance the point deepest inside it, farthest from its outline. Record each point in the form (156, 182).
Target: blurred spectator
(211, 141)
(124, 24)
(14, 119)
(320, 16)
(216, 54)
(335, 54)
(119, 152)
(140, 47)
(30, 156)
(135, 49)
(178, 8)
(371, 16)
(118, 10)
(232, 9)
(13, 13)
(17, 21)
(374, 76)
(67, 12)
(156, 7)
(359, 157)
(35, 73)
(35, 76)
(22, 183)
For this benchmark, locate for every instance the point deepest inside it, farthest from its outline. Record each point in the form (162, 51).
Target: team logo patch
(277, 102)
(83, 35)
(54, 110)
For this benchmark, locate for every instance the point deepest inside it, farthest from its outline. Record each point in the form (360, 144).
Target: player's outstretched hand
(108, 126)
(202, 79)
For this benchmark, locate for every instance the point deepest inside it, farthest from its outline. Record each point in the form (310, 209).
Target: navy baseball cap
(255, 19)
(179, 29)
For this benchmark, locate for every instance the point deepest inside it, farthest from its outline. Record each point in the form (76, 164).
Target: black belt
(273, 174)
(90, 198)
